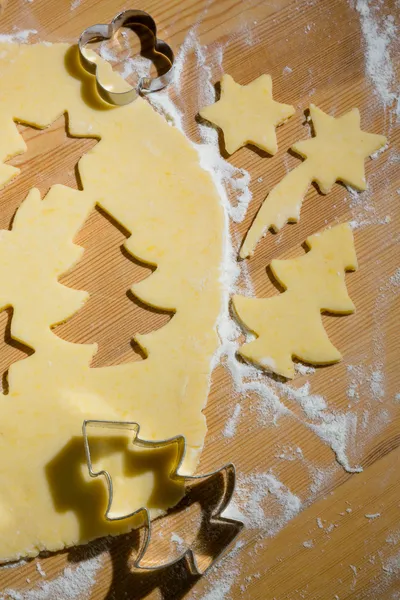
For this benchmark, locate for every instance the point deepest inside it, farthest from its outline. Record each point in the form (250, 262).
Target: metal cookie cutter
(229, 477)
(126, 18)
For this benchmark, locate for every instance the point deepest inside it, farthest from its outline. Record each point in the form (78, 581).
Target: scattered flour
(392, 564)
(18, 36)
(304, 369)
(39, 569)
(252, 491)
(379, 32)
(72, 584)
(180, 543)
(393, 537)
(231, 424)
(363, 210)
(379, 152)
(14, 565)
(312, 404)
(336, 430)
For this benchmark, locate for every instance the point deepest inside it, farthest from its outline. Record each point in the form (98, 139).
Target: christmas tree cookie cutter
(228, 473)
(100, 32)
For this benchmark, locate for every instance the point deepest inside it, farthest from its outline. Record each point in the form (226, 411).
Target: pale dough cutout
(247, 114)
(290, 325)
(336, 153)
(147, 176)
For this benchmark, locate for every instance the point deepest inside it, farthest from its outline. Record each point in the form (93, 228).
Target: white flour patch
(222, 576)
(18, 36)
(393, 537)
(379, 33)
(40, 569)
(337, 430)
(392, 564)
(312, 404)
(252, 493)
(72, 584)
(14, 565)
(304, 369)
(320, 478)
(179, 542)
(231, 424)
(363, 210)
(75, 4)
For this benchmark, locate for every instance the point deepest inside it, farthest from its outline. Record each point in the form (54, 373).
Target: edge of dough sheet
(147, 175)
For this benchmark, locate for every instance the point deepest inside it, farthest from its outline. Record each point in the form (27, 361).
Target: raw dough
(336, 153)
(147, 176)
(290, 325)
(247, 114)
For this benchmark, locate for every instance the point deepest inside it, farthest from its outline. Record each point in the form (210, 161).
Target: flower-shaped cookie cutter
(100, 32)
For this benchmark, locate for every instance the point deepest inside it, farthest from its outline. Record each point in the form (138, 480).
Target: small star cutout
(247, 114)
(338, 149)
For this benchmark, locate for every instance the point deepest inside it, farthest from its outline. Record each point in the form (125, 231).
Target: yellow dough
(290, 325)
(336, 153)
(247, 114)
(147, 176)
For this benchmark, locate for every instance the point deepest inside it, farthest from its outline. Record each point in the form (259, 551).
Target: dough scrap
(290, 325)
(247, 114)
(336, 153)
(145, 174)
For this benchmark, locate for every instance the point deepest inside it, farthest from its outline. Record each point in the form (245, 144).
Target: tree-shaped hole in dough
(107, 271)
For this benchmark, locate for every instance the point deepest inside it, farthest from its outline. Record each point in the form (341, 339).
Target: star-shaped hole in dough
(45, 157)
(247, 114)
(339, 149)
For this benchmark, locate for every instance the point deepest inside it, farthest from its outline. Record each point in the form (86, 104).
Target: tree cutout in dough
(108, 287)
(247, 114)
(39, 248)
(336, 153)
(290, 325)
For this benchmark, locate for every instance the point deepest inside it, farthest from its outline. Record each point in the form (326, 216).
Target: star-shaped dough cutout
(338, 149)
(247, 114)
(336, 153)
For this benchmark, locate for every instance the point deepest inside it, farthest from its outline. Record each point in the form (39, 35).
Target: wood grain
(321, 42)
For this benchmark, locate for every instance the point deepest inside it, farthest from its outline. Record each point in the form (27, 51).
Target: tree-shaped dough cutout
(290, 325)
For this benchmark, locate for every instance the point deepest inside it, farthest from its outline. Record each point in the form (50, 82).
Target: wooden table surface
(330, 549)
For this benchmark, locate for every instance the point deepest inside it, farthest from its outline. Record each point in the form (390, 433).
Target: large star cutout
(247, 114)
(337, 152)
(42, 158)
(338, 149)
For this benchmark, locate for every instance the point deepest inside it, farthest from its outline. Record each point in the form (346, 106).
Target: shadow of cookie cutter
(227, 470)
(100, 32)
